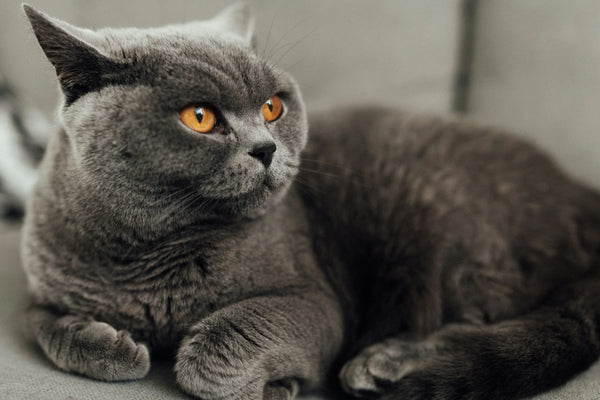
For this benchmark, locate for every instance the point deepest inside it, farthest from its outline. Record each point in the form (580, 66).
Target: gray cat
(179, 213)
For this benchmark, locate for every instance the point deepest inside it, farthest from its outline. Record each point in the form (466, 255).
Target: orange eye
(198, 118)
(272, 109)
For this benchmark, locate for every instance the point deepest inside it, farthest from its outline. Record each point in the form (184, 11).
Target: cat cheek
(293, 138)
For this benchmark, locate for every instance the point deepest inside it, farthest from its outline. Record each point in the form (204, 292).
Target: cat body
(488, 220)
(196, 260)
(432, 258)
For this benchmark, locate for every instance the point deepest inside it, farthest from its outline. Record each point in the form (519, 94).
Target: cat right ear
(80, 67)
(238, 19)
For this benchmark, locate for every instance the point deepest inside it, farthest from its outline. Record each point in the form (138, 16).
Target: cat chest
(160, 297)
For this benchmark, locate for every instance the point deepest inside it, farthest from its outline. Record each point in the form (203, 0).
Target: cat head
(189, 109)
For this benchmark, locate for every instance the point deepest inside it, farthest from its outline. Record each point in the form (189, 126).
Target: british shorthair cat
(184, 210)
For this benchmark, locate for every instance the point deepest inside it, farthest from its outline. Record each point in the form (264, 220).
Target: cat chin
(253, 204)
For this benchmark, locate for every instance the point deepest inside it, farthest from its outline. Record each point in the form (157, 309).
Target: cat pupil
(270, 105)
(199, 114)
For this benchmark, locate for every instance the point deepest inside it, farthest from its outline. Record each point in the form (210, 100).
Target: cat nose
(264, 152)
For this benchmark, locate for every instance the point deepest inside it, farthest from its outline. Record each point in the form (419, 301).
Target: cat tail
(512, 359)
(23, 137)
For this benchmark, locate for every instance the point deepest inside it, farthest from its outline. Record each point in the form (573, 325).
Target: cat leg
(262, 348)
(510, 359)
(88, 347)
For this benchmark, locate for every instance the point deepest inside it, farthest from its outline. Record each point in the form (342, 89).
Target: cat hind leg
(380, 365)
(510, 359)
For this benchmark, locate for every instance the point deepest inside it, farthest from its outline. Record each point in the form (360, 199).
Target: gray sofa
(532, 68)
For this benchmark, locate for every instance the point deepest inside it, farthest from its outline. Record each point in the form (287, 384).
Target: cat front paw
(216, 363)
(91, 348)
(286, 389)
(100, 351)
(223, 360)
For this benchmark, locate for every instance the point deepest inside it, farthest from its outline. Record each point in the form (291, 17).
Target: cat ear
(237, 19)
(80, 67)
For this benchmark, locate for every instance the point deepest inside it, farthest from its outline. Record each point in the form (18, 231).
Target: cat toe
(283, 390)
(356, 379)
(375, 369)
(112, 355)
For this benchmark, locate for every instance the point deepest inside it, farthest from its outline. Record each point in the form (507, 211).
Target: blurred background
(529, 66)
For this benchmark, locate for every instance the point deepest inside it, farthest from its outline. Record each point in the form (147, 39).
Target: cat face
(124, 93)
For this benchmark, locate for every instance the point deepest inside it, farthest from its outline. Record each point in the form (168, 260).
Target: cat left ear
(238, 19)
(80, 67)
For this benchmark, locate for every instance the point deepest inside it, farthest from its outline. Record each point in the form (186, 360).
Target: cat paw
(281, 390)
(211, 364)
(91, 348)
(217, 362)
(379, 366)
(99, 351)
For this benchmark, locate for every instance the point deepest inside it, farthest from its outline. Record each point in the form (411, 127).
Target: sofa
(532, 67)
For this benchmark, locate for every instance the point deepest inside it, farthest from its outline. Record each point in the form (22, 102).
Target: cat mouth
(269, 183)
(262, 187)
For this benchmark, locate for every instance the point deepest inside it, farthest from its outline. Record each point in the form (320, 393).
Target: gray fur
(418, 245)
(458, 239)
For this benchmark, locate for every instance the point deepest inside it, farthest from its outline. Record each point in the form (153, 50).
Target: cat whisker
(317, 161)
(275, 47)
(291, 67)
(291, 164)
(323, 162)
(317, 172)
(356, 177)
(202, 207)
(307, 188)
(269, 33)
(292, 46)
(161, 199)
(336, 166)
(212, 203)
(176, 206)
